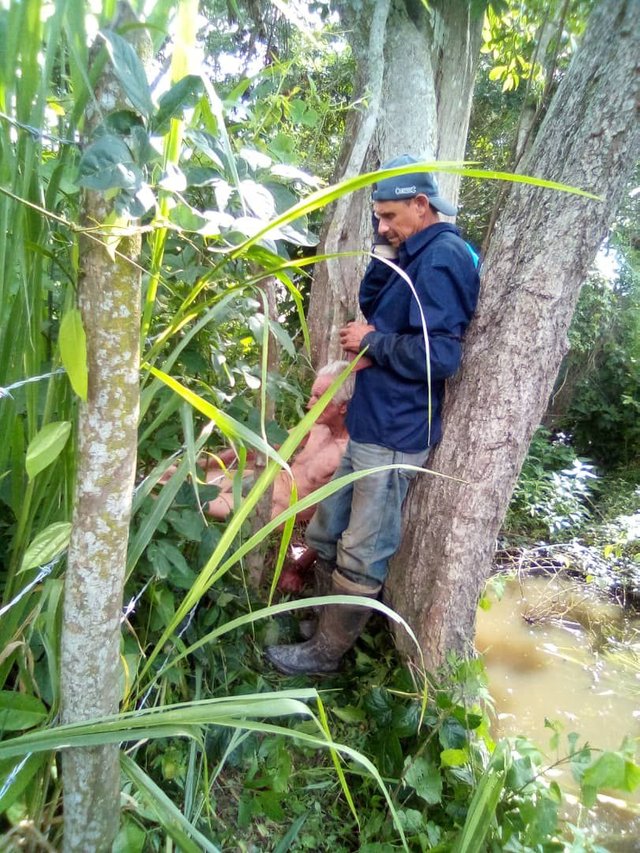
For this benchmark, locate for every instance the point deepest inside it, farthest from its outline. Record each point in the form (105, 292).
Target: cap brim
(442, 205)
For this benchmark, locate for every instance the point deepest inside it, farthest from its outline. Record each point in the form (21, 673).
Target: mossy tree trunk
(109, 300)
(539, 257)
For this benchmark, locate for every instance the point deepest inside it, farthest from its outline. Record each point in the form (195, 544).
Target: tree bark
(109, 296)
(539, 257)
(416, 70)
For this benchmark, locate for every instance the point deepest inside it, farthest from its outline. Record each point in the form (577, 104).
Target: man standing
(412, 337)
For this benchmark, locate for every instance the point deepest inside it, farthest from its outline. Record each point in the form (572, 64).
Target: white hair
(345, 391)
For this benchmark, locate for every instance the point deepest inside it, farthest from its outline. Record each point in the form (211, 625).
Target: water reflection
(555, 650)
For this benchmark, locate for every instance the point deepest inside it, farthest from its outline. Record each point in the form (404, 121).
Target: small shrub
(553, 495)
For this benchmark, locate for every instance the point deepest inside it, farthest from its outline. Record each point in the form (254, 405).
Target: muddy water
(554, 650)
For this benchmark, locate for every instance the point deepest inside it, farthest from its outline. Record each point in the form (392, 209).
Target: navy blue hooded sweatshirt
(390, 405)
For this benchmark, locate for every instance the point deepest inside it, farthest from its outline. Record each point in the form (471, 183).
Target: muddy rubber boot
(339, 626)
(322, 585)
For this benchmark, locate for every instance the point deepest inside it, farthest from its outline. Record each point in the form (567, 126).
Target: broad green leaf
(130, 839)
(181, 96)
(206, 144)
(20, 711)
(129, 71)
(47, 545)
(108, 164)
(73, 351)
(412, 821)
(424, 777)
(188, 218)
(46, 446)
(388, 753)
(349, 714)
(609, 770)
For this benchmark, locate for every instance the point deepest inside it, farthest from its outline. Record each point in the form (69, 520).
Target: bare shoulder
(318, 436)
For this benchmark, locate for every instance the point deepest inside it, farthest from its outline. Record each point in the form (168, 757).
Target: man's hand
(352, 334)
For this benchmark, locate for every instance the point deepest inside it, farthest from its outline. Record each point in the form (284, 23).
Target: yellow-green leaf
(73, 351)
(47, 545)
(46, 446)
(453, 757)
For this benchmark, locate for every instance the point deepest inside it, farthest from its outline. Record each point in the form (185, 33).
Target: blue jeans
(359, 526)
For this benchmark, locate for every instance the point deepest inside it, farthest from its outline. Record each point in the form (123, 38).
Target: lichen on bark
(109, 296)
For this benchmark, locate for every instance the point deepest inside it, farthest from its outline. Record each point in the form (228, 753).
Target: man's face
(399, 220)
(332, 410)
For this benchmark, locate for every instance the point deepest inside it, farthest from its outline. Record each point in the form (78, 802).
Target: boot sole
(290, 670)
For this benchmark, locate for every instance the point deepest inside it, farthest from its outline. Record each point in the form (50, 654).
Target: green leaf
(208, 145)
(310, 117)
(73, 351)
(129, 71)
(454, 757)
(609, 770)
(181, 96)
(188, 523)
(412, 821)
(46, 446)
(424, 777)
(130, 839)
(349, 714)
(47, 545)
(19, 711)
(187, 218)
(380, 706)
(108, 164)
(406, 720)
(388, 752)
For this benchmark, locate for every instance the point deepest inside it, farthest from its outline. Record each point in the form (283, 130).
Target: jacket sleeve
(406, 355)
(443, 305)
(376, 276)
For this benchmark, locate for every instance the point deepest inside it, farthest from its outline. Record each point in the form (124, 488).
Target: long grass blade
(323, 197)
(186, 836)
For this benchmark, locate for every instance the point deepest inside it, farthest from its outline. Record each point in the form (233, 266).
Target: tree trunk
(109, 299)
(416, 70)
(537, 261)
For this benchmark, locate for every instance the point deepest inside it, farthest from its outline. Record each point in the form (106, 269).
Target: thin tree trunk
(109, 299)
(538, 259)
(416, 70)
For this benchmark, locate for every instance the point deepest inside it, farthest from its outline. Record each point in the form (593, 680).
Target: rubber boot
(339, 626)
(322, 585)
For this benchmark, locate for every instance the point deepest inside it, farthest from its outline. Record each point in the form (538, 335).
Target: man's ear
(343, 408)
(422, 202)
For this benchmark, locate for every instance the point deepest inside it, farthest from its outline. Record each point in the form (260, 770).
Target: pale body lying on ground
(313, 466)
